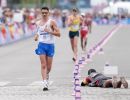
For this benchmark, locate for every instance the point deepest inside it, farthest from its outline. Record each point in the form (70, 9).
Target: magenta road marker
(88, 56)
(91, 50)
(77, 88)
(75, 72)
(82, 58)
(77, 92)
(94, 48)
(76, 76)
(80, 62)
(100, 51)
(77, 95)
(76, 66)
(85, 62)
(77, 82)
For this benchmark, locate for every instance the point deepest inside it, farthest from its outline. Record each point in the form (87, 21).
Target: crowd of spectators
(16, 23)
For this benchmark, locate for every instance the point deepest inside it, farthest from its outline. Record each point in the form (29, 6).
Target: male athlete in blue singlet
(47, 29)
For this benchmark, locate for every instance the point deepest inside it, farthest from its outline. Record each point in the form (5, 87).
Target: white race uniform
(45, 37)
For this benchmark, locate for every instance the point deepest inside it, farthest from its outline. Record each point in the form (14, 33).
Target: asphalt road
(20, 76)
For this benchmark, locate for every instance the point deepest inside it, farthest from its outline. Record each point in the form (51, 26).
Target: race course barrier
(17, 31)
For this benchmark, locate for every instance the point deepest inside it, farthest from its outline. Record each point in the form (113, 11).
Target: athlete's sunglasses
(74, 10)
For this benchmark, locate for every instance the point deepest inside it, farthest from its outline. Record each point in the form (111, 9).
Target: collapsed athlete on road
(96, 79)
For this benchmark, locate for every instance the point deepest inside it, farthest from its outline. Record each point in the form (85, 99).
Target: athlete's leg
(84, 43)
(81, 42)
(107, 83)
(90, 28)
(44, 71)
(49, 63)
(75, 46)
(49, 58)
(43, 66)
(72, 43)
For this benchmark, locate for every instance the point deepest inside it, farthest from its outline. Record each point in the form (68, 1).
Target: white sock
(44, 81)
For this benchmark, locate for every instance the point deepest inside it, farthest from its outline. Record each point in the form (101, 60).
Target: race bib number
(75, 27)
(84, 28)
(45, 36)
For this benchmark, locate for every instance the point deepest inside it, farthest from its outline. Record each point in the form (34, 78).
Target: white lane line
(39, 83)
(3, 83)
(110, 33)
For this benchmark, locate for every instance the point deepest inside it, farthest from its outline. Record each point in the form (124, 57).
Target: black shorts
(73, 34)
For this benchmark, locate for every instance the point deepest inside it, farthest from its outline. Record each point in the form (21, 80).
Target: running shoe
(114, 82)
(45, 86)
(124, 82)
(73, 59)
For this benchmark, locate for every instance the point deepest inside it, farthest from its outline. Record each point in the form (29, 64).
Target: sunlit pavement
(20, 77)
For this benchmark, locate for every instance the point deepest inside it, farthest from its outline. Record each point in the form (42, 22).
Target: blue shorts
(45, 49)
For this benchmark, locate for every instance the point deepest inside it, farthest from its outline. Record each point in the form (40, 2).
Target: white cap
(82, 14)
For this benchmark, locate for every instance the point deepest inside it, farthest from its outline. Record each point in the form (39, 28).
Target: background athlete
(83, 32)
(74, 21)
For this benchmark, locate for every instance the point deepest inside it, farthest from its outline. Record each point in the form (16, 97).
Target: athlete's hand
(36, 37)
(70, 22)
(48, 31)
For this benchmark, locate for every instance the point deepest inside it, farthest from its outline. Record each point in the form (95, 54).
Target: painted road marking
(3, 83)
(39, 83)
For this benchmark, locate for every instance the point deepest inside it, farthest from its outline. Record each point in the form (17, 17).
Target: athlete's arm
(90, 28)
(36, 33)
(55, 30)
(81, 21)
(90, 25)
(70, 22)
